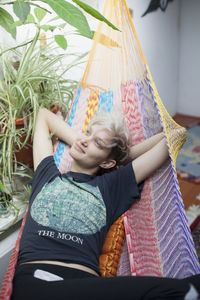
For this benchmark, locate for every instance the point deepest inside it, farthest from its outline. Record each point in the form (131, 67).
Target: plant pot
(25, 155)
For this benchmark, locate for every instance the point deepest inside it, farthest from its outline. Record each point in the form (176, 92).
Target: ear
(108, 164)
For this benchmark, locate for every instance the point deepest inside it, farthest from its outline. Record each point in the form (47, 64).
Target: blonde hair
(115, 123)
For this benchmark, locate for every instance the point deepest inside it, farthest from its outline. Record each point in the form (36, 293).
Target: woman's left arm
(148, 156)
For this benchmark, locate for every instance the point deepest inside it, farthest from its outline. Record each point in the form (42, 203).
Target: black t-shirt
(69, 214)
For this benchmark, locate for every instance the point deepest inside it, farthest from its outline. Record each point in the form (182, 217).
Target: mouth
(78, 148)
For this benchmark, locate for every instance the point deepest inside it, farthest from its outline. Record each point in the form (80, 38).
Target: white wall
(189, 66)
(171, 45)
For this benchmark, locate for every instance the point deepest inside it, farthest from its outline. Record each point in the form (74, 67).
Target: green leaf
(48, 27)
(6, 21)
(93, 12)
(85, 35)
(40, 13)
(54, 19)
(61, 41)
(70, 14)
(30, 18)
(2, 187)
(21, 9)
(62, 25)
(17, 23)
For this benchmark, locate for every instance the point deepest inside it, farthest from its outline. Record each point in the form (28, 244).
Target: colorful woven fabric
(157, 233)
(158, 239)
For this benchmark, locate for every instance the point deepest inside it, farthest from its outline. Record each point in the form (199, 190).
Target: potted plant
(37, 80)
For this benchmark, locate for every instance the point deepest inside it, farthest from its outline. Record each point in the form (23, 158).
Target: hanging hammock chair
(152, 238)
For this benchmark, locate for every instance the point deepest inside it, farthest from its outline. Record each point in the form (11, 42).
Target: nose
(84, 140)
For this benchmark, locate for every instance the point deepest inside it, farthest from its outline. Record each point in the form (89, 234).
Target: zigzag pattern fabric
(158, 239)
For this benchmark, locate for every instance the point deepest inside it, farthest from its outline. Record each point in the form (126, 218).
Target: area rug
(188, 171)
(192, 213)
(188, 161)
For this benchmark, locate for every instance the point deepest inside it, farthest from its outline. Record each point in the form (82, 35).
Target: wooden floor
(189, 190)
(185, 120)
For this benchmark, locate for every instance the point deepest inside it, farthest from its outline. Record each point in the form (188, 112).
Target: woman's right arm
(48, 124)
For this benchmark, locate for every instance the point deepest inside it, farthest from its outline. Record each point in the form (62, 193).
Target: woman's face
(89, 150)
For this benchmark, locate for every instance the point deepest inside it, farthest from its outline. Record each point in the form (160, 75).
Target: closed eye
(87, 132)
(99, 144)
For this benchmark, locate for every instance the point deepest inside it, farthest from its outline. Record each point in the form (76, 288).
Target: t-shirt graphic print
(68, 206)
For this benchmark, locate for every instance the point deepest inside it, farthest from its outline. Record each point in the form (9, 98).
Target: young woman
(69, 214)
